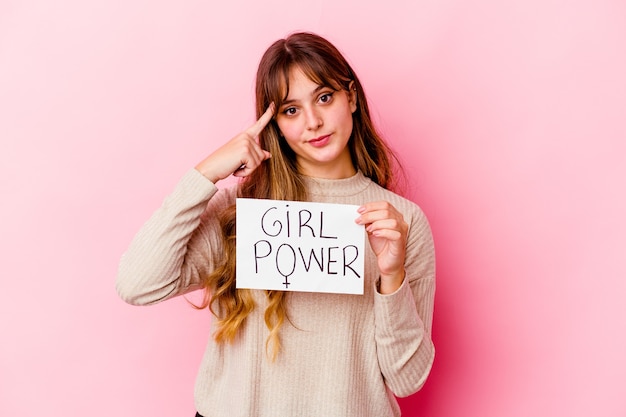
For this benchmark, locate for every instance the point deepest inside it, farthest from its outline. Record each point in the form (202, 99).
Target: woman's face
(316, 122)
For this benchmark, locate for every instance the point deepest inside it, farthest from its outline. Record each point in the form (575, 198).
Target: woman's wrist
(205, 169)
(388, 284)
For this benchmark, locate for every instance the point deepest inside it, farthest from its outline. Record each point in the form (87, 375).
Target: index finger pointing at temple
(260, 124)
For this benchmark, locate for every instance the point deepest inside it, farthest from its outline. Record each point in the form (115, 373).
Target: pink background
(511, 120)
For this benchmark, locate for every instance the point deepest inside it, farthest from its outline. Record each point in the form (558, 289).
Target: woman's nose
(313, 119)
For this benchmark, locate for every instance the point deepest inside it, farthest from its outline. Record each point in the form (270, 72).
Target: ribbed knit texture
(342, 355)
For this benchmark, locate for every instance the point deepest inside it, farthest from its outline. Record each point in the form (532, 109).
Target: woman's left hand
(387, 234)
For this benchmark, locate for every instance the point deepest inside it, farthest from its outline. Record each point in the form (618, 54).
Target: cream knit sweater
(342, 355)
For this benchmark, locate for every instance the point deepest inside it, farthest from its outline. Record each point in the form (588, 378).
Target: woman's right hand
(239, 156)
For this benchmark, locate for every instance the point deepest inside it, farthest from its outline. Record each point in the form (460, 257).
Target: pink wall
(510, 115)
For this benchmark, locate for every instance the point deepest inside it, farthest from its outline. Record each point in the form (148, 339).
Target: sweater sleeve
(175, 248)
(404, 319)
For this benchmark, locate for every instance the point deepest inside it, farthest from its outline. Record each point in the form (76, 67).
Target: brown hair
(278, 178)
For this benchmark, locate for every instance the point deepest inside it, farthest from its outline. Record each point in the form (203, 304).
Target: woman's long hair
(278, 178)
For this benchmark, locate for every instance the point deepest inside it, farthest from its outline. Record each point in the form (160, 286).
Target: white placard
(299, 246)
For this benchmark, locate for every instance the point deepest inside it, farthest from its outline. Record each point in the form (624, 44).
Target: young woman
(275, 353)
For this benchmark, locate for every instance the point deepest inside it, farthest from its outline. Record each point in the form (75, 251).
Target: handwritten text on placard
(299, 246)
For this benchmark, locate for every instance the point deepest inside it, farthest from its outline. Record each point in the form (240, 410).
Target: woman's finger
(260, 124)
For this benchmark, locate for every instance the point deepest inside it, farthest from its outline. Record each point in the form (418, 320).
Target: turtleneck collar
(336, 187)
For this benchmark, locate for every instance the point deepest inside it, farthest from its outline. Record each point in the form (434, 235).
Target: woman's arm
(173, 250)
(404, 317)
(181, 243)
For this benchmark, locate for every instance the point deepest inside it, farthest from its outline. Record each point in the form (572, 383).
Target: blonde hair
(278, 178)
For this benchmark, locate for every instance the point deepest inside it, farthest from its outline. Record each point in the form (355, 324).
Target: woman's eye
(290, 111)
(326, 98)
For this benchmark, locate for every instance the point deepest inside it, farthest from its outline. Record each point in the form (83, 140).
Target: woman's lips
(320, 141)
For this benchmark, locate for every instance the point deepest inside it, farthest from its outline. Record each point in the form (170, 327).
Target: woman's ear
(352, 96)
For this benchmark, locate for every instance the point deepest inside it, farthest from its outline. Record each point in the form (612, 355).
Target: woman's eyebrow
(314, 92)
